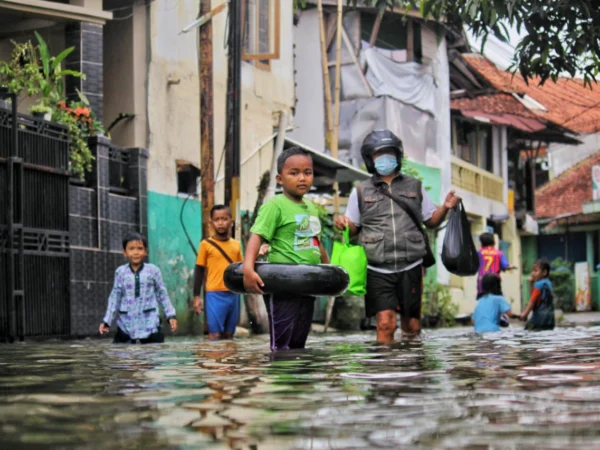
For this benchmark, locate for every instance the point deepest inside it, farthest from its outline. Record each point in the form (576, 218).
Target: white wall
(443, 139)
(562, 156)
(309, 116)
(173, 109)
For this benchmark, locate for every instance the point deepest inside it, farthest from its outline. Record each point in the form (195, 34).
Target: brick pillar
(87, 38)
(138, 184)
(100, 182)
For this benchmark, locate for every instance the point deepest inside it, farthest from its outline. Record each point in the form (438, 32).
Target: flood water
(452, 389)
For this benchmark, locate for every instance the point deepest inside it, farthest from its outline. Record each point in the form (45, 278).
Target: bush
(563, 287)
(437, 303)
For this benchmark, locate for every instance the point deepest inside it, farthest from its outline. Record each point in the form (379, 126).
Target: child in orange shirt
(214, 255)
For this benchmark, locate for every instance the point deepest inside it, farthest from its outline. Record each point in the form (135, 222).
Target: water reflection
(450, 389)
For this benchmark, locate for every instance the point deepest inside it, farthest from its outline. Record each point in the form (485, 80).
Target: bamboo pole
(336, 114)
(326, 80)
(376, 27)
(338, 76)
(356, 63)
(336, 131)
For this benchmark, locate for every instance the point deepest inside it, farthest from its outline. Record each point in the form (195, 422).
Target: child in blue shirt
(136, 294)
(491, 306)
(541, 301)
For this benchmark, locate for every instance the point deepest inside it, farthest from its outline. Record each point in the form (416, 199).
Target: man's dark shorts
(401, 291)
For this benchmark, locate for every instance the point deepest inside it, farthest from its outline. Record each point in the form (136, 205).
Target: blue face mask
(386, 164)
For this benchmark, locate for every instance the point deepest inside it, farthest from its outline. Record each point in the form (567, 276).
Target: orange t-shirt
(215, 262)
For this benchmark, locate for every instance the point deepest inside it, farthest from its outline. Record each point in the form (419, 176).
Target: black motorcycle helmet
(377, 140)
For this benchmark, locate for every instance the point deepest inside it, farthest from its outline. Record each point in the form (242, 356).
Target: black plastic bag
(459, 254)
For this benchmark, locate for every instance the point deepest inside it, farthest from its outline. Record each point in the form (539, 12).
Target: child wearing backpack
(541, 300)
(214, 255)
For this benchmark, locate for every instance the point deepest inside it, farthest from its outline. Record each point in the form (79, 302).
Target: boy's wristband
(106, 325)
(172, 317)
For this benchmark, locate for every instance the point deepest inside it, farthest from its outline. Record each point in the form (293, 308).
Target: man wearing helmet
(394, 245)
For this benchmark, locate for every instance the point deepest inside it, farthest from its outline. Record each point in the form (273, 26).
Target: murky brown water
(451, 390)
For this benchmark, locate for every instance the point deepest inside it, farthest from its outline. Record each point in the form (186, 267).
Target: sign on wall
(583, 293)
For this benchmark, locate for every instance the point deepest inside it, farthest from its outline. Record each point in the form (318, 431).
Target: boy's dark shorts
(123, 338)
(401, 291)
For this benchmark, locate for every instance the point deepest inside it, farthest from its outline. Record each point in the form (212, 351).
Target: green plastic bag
(354, 259)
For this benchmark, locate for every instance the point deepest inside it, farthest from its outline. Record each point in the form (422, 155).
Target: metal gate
(34, 227)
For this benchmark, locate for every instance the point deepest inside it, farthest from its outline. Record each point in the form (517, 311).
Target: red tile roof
(493, 104)
(568, 102)
(566, 194)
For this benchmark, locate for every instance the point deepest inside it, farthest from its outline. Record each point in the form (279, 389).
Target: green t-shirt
(292, 230)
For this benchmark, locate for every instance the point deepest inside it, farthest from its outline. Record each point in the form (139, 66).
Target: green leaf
(83, 98)
(72, 73)
(44, 54)
(62, 55)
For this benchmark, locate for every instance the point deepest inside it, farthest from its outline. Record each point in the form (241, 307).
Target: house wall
(561, 156)
(173, 117)
(464, 290)
(125, 78)
(309, 117)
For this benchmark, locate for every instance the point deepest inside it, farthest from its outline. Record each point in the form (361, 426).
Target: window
(187, 178)
(473, 143)
(260, 38)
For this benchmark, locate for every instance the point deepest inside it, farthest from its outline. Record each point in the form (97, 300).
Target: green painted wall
(529, 253)
(170, 250)
(431, 178)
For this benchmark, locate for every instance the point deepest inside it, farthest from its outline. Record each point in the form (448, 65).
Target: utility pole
(205, 71)
(234, 101)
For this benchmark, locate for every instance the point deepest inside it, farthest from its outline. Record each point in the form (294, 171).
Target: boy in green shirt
(291, 226)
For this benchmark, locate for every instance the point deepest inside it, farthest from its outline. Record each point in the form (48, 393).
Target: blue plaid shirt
(135, 296)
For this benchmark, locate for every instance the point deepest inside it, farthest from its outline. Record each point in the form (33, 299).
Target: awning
(328, 169)
(526, 124)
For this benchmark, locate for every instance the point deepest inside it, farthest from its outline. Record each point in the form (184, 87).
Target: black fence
(60, 240)
(34, 227)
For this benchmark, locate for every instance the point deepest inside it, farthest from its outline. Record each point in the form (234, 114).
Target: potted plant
(438, 308)
(41, 111)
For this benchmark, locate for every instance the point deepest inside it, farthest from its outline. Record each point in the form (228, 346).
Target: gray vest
(389, 236)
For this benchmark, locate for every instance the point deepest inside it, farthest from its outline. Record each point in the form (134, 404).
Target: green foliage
(32, 69)
(437, 302)
(561, 36)
(82, 124)
(328, 230)
(52, 81)
(563, 284)
(22, 71)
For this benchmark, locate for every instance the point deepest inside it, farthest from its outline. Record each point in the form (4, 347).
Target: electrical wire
(190, 195)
